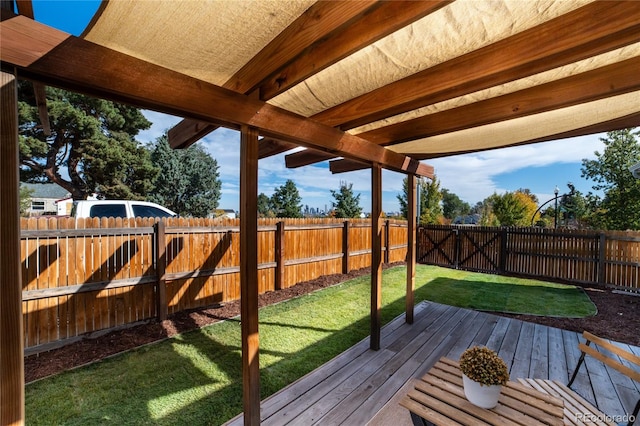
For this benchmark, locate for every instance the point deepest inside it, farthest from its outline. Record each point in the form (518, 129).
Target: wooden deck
(361, 386)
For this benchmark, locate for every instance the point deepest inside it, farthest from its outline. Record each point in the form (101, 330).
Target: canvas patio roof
(425, 78)
(363, 83)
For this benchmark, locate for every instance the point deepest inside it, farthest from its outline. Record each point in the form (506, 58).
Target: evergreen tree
(620, 206)
(92, 142)
(264, 206)
(286, 201)
(346, 204)
(189, 179)
(428, 202)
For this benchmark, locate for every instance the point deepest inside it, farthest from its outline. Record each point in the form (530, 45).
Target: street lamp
(555, 221)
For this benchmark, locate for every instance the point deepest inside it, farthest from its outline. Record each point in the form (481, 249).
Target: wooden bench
(576, 409)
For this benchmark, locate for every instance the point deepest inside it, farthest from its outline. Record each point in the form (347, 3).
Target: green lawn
(195, 378)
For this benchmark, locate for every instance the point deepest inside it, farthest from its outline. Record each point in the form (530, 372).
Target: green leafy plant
(484, 366)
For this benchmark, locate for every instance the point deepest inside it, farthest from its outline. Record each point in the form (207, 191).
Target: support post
(161, 271)
(387, 243)
(279, 254)
(376, 255)
(411, 248)
(11, 331)
(249, 274)
(345, 247)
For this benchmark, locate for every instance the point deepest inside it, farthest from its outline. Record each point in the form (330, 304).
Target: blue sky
(473, 177)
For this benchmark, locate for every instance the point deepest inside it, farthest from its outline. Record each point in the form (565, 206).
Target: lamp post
(555, 220)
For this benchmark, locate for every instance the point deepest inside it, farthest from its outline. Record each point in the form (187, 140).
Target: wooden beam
(314, 25)
(324, 34)
(320, 19)
(626, 122)
(269, 147)
(614, 79)
(376, 255)
(411, 248)
(44, 54)
(249, 274)
(11, 331)
(343, 165)
(593, 29)
(306, 157)
(25, 7)
(375, 24)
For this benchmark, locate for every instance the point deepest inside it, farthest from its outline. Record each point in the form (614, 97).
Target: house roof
(419, 78)
(46, 190)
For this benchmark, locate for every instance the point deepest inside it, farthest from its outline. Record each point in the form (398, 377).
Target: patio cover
(427, 78)
(360, 82)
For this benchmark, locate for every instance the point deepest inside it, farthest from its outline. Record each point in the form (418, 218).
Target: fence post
(279, 253)
(502, 262)
(161, 268)
(387, 245)
(457, 249)
(602, 253)
(345, 247)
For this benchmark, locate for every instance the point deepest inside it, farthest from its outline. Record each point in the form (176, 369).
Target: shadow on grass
(194, 378)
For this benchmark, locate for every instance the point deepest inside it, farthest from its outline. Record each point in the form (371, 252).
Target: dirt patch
(618, 319)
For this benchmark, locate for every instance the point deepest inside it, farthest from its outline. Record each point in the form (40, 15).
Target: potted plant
(483, 374)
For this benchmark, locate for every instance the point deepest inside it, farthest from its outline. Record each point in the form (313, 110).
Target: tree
(530, 203)
(508, 208)
(346, 204)
(264, 206)
(25, 199)
(286, 201)
(188, 182)
(428, 203)
(91, 148)
(453, 206)
(619, 207)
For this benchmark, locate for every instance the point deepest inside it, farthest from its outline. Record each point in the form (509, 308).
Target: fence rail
(610, 259)
(83, 276)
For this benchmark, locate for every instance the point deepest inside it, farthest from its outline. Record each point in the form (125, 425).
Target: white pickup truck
(119, 208)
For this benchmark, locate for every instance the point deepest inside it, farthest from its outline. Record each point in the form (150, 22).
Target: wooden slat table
(438, 398)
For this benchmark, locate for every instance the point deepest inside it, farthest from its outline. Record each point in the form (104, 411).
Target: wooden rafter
(343, 165)
(326, 33)
(592, 29)
(270, 146)
(615, 79)
(318, 21)
(631, 120)
(50, 56)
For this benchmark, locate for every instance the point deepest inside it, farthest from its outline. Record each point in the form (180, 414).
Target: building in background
(45, 199)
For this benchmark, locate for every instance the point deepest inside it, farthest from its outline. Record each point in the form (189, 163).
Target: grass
(195, 378)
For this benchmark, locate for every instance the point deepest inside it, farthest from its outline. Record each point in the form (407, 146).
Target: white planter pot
(481, 395)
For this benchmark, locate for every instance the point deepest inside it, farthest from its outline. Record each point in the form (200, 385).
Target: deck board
(361, 386)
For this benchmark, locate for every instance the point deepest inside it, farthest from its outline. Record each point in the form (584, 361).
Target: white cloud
(472, 177)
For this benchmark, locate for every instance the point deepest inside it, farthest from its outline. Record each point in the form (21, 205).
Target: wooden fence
(610, 259)
(86, 276)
